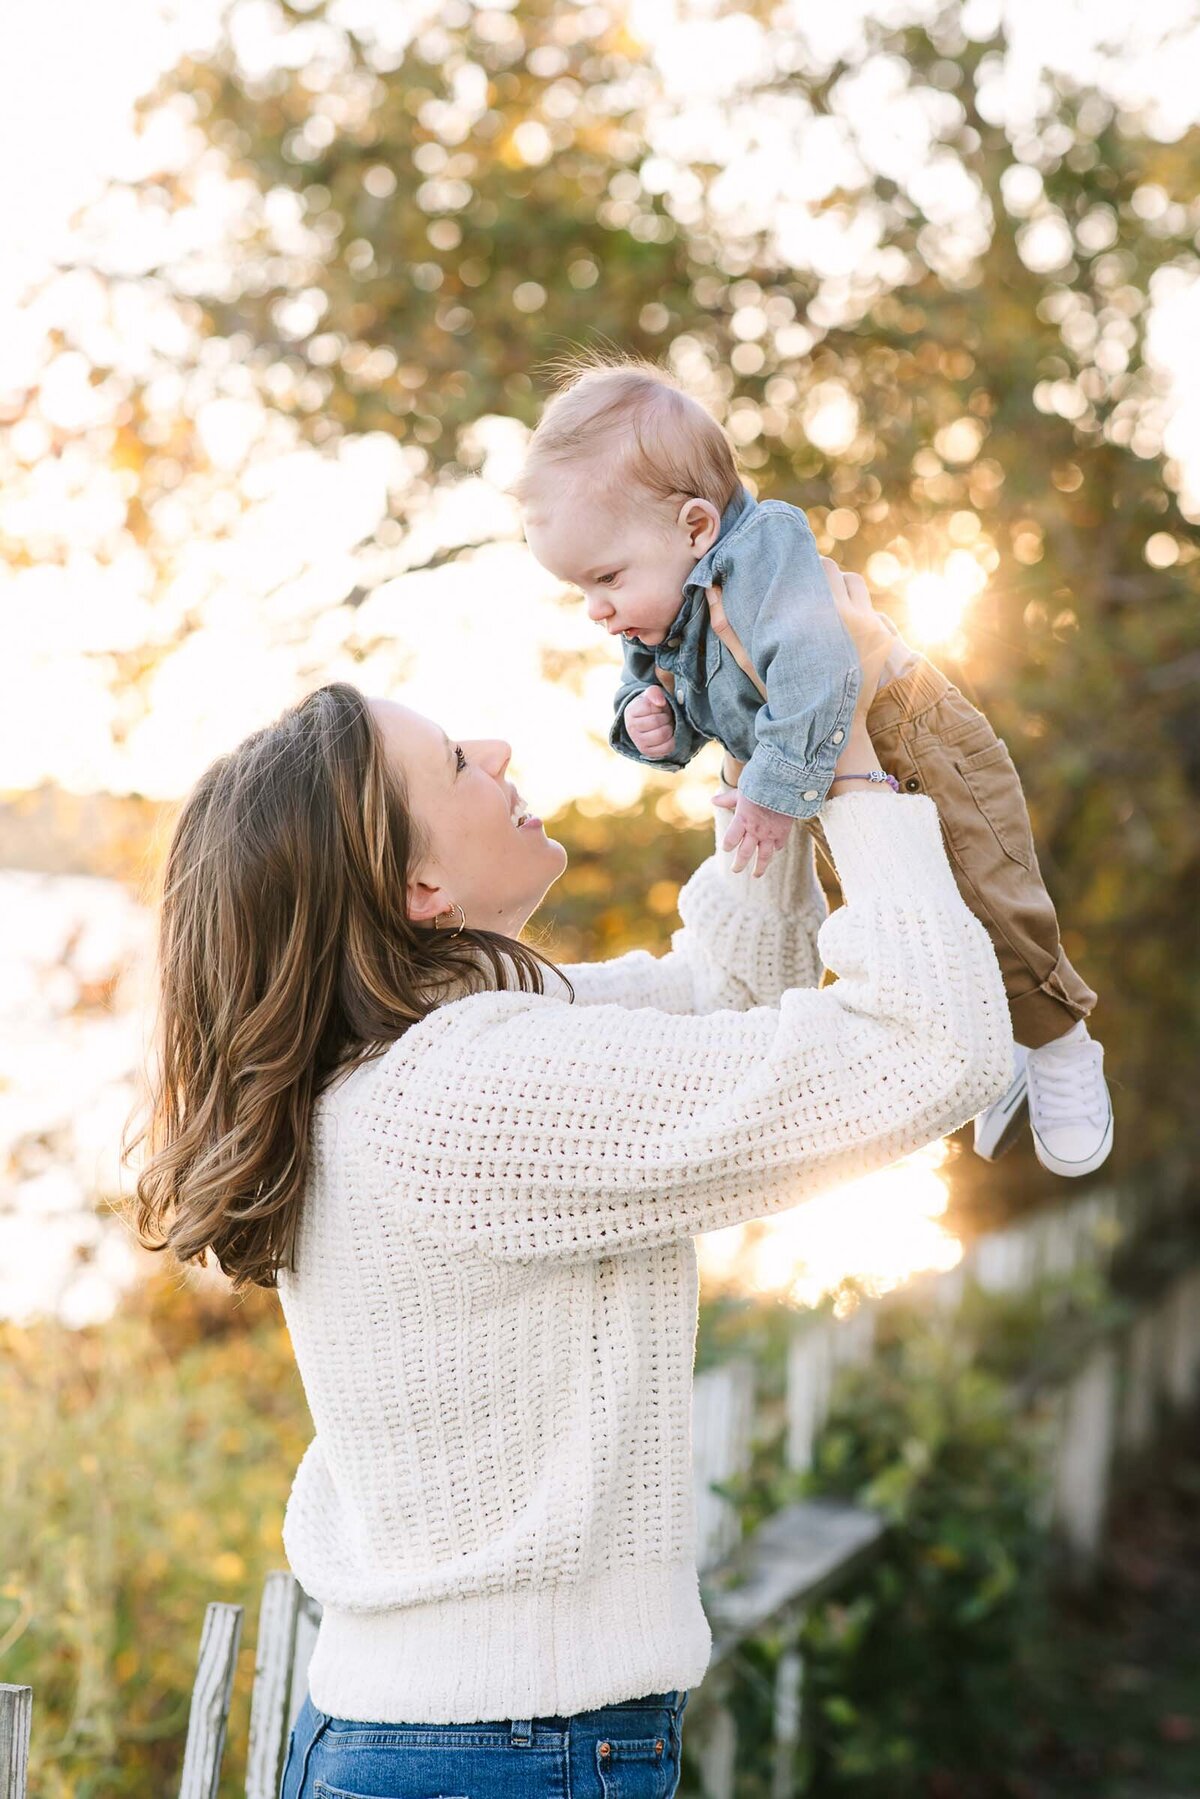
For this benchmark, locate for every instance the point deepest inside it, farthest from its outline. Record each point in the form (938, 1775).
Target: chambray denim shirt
(778, 602)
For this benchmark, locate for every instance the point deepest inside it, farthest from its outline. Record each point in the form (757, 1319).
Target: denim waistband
(650, 1702)
(672, 1702)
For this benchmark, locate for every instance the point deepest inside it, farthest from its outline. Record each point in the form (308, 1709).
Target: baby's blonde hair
(636, 420)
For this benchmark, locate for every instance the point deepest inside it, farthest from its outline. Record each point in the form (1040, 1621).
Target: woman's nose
(495, 755)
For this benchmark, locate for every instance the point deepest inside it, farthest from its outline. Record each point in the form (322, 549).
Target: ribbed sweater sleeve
(524, 1127)
(744, 941)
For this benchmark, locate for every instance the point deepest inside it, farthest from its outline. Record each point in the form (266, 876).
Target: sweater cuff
(884, 846)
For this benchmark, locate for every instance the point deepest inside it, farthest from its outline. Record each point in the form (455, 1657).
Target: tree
(426, 218)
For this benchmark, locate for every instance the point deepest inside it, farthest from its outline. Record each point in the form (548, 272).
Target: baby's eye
(607, 580)
(460, 761)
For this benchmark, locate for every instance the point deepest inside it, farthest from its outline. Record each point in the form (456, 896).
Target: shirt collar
(741, 505)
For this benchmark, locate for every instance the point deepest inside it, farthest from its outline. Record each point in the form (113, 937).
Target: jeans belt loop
(521, 1734)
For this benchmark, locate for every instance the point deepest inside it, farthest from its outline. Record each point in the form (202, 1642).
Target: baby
(631, 492)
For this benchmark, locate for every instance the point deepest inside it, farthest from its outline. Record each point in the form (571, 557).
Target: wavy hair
(285, 958)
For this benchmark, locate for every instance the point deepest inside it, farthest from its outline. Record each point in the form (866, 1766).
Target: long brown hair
(286, 956)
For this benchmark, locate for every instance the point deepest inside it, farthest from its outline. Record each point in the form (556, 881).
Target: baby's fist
(651, 723)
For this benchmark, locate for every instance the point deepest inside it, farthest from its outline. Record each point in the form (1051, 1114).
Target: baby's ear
(701, 520)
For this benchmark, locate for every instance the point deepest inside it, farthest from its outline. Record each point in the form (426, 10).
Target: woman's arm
(743, 942)
(526, 1127)
(746, 941)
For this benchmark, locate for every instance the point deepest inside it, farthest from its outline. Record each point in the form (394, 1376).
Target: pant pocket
(636, 1768)
(323, 1790)
(995, 787)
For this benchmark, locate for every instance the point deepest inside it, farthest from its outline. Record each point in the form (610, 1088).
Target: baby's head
(623, 491)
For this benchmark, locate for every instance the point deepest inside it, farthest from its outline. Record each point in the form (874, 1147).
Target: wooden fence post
(1181, 1340)
(718, 1739)
(1084, 1459)
(273, 1651)
(1139, 1401)
(307, 1623)
(16, 1714)
(789, 1711)
(722, 1427)
(210, 1702)
(809, 1382)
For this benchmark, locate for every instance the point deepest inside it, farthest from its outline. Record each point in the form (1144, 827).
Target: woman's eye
(459, 759)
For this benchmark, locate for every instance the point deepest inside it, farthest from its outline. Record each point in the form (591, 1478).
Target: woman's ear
(424, 901)
(702, 522)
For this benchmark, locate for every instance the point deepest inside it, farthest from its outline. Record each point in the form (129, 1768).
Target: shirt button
(838, 735)
(812, 794)
(672, 643)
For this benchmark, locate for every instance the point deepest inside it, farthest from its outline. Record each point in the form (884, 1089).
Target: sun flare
(879, 1231)
(938, 600)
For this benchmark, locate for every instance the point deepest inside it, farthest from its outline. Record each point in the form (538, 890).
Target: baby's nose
(599, 608)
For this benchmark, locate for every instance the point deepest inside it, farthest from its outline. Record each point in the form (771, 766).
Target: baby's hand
(755, 833)
(651, 723)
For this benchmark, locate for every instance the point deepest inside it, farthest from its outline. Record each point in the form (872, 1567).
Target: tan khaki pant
(934, 741)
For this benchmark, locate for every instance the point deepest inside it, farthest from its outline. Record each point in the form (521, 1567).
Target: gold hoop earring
(447, 930)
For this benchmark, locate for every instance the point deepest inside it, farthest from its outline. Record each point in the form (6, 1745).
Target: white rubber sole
(1072, 1170)
(997, 1129)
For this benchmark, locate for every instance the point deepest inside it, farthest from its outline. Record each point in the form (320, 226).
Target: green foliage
(918, 1676)
(917, 1671)
(429, 216)
(621, 887)
(145, 1469)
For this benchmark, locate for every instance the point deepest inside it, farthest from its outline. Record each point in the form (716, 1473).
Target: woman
(476, 1183)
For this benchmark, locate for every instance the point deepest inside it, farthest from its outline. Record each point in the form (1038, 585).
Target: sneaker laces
(1070, 1089)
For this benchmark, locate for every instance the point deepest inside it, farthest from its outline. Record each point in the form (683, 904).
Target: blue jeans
(625, 1751)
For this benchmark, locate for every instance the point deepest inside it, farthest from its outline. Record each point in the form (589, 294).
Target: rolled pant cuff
(1049, 1010)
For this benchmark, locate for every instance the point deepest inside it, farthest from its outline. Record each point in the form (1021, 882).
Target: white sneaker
(997, 1129)
(1069, 1106)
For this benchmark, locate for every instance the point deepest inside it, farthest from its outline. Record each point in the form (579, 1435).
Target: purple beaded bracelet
(876, 776)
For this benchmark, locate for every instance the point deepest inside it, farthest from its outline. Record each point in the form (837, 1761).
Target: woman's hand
(870, 636)
(872, 641)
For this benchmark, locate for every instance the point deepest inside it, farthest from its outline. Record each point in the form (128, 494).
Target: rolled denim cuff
(772, 780)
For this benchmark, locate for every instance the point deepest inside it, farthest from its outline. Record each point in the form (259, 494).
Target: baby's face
(629, 567)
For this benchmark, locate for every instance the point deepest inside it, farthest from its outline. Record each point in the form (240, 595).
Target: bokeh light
(938, 601)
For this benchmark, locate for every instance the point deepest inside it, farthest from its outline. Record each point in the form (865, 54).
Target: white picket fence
(1109, 1410)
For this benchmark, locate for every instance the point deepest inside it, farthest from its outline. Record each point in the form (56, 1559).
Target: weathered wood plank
(1085, 1454)
(1180, 1339)
(722, 1422)
(792, 1559)
(307, 1620)
(789, 1713)
(273, 1652)
(211, 1693)
(809, 1386)
(16, 1716)
(1139, 1402)
(713, 1733)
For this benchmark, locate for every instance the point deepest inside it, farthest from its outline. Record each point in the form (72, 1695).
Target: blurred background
(281, 289)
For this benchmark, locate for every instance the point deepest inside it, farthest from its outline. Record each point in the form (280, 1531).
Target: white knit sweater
(494, 1302)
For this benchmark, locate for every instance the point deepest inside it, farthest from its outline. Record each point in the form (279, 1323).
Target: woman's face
(476, 855)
